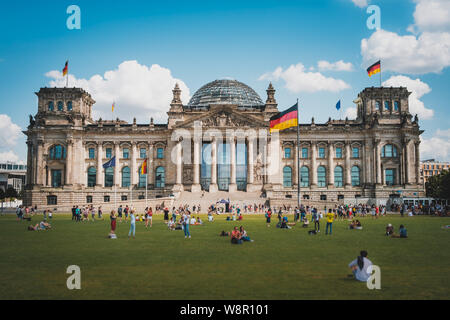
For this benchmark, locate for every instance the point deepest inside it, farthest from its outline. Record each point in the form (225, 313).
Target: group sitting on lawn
(403, 233)
(355, 225)
(238, 236)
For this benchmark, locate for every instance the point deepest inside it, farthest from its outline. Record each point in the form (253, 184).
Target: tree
(11, 193)
(438, 186)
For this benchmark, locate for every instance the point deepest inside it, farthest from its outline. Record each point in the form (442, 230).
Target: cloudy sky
(133, 53)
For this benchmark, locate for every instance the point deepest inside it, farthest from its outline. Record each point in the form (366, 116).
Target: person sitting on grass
(171, 224)
(240, 217)
(305, 223)
(359, 267)
(224, 234)
(236, 236)
(355, 225)
(403, 233)
(199, 221)
(284, 223)
(389, 230)
(244, 235)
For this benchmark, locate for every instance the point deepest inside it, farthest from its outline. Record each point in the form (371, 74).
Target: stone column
(330, 164)
(40, 168)
(233, 185)
(69, 163)
(251, 164)
(196, 187)
(313, 164)
(134, 169)
(348, 169)
(378, 162)
(100, 179)
(151, 167)
(417, 146)
(213, 186)
(179, 167)
(29, 175)
(117, 167)
(407, 163)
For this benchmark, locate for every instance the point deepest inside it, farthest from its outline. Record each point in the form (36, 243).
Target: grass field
(279, 264)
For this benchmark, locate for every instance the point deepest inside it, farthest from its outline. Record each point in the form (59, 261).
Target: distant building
(431, 167)
(12, 175)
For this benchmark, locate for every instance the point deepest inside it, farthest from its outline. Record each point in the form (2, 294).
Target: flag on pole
(110, 163)
(374, 69)
(285, 119)
(338, 105)
(66, 68)
(144, 168)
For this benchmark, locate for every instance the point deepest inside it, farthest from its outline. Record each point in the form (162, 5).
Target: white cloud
(429, 52)
(10, 132)
(298, 80)
(10, 156)
(361, 3)
(350, 113)
(418, 89)
(137, 90)
(437, 147)
(335, 66)
(432, 15)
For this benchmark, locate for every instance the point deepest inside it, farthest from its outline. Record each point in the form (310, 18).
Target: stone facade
(372, 158)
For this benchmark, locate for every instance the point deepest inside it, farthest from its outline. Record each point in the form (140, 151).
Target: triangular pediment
(223, 118)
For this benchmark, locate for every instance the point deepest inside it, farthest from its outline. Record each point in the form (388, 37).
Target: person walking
(316, 219)
(330, 219)
(186, 223)
(132, 225)
(119, 213)
(113, 219)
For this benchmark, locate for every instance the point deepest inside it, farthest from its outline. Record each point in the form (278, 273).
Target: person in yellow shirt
(330, 219)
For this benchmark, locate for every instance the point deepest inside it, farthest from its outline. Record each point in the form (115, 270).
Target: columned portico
(196, 187)
(233, 186)
(213, 186)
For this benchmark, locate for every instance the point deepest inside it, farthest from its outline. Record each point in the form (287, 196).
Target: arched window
(60, 106)
(109, 177)
(304, 177)
(69, 105)
(57, 152)
(126, 177)
(389, 151)
(51, 106)
(287, 177)
(92, 177)
(160, 177)
(356, 176)
(321, 176)
(338, 176)
(142, 179)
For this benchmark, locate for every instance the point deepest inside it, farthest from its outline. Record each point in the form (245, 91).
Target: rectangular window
(108, 153)
(396, 105)
(377, 105)
(287, 153)
(321, 153)
(339, 152)
(355, 152)
(387, 106)
(91, 153)
(106, 199)
(88, 199)
(160, 153)
(323, 197)
(126, 153)
(340, 197)
(305, 153)
(390, 176)
(56, 178)
(52, 200)
(143, 153)
(124, 198)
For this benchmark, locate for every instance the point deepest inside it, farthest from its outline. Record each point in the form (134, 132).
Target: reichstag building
(220, 142)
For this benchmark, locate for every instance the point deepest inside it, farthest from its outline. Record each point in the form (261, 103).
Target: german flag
(285, 119)
(144, 168)
(375, 68)
(66, 69)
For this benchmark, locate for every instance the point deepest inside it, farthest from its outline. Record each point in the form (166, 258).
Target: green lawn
(280, 264)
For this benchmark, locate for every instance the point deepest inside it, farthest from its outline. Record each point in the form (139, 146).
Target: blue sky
(195, 42)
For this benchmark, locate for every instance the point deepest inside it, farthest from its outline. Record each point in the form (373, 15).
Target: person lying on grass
(403, 233)
(40, 226)
(359, 267)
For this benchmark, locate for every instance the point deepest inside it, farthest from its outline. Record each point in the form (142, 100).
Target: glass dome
(226, 92)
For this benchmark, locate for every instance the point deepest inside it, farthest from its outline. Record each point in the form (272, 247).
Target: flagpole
(146, 183)
(298, 158)
(380, 73)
